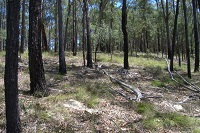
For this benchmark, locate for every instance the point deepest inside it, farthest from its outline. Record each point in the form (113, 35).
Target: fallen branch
(135, 90)
(172, 77)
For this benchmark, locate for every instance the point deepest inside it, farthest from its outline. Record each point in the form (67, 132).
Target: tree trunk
(125, 34)
(62, 63)
(37, 76)
(196, 37)
(23, 27)
(83, 37)
(11, 68)
(74, 46)
(56, 28)
(187, 40)
(44, 38)
(89, 48)
(174, 36)
(66, 27)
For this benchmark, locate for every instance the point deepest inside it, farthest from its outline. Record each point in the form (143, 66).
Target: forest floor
(86, 100)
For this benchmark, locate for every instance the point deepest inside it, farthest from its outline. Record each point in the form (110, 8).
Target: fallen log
(191, 88)
(136, 91)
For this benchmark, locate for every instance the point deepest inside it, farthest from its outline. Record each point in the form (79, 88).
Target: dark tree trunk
(62, 63)
(66, 27)
(174, 36)
(74, 46)
(89, 48)
(37, 76)
(187, 40)
(125, 34)
(196, 37)
(83, 37)
(44, 38)
(11, 68)
(56, 28)
(166, 19)
(23, 28)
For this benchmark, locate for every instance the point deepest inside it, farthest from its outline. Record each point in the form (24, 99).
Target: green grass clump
(146, 109)
(154, 120)
(158, 83)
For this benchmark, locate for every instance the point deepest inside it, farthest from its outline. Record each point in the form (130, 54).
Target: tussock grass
(154, 120)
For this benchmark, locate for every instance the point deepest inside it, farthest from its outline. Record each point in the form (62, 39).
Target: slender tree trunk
(187, 40)
(66, 27)
(196, 37)
(74, 47)
(56, 28)
(83, 37)
(125, 34)
(62, 63)
(89, 48)
(174, 36)
(23, 27)
(166, 18)
(37, 76)
(11, 68)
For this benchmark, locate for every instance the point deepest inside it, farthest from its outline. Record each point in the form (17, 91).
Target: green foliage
(157, 83)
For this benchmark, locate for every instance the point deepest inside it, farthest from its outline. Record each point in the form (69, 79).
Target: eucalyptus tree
(196, 36)
(36, 69)
(187, 39)
(11, 68)
(23, 29)
(124, 23)
(89, 49)
(174, 35)
(62, 63)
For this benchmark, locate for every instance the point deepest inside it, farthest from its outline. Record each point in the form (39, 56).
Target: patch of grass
(58, 98)
(92, 101)
(155, 120)
(146, 109)
(158, 83)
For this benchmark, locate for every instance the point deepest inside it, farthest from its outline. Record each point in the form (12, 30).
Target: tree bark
(11, 68)
(187, 40)
(196, 37)
(74, 46)
(174, 36)
(23, 28)
(66, 27)
(44, 38)
(62, 63)
(83, 37)
(125, 34)
(89, 48)
(37, 76)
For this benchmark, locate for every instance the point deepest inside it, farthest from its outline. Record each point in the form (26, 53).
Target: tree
(74, 46)
(62, 63)
(23, 27)
(187, 40)
(37, 76)
(89, 49)
(174, 35)
(196, 37)
(11, 68)
(166, 18)
(124, 22)
(67, 23)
